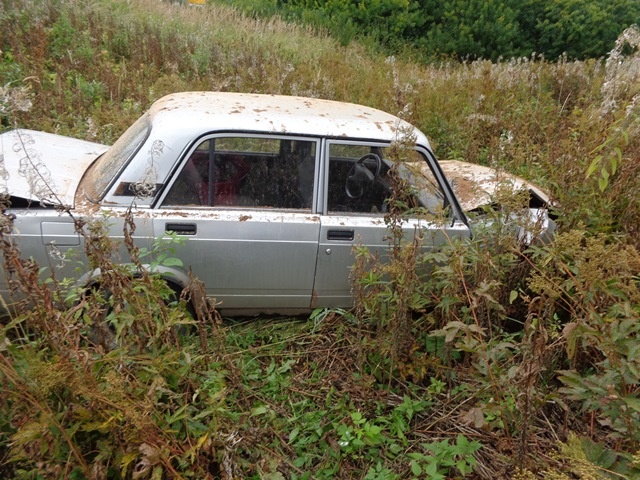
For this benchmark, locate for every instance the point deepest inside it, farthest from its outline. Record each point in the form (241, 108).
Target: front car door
(243, 205)
(357, 184)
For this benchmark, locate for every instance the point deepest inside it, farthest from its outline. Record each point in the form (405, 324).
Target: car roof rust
(225, 111)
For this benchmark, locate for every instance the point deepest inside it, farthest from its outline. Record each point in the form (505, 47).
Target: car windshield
(108, 166)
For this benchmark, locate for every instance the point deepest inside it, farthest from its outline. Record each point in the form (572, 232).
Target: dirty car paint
(260, 189)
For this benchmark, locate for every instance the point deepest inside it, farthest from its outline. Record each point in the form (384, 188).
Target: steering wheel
(360, 175)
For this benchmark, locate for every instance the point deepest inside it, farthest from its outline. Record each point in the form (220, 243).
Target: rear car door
(242, 205)
(357, 183)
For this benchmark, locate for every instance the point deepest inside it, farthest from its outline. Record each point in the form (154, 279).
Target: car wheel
(110, 318)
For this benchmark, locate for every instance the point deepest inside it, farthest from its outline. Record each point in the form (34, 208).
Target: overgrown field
(504, 362)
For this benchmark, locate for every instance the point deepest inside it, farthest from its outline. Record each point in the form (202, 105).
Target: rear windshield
(104, 170)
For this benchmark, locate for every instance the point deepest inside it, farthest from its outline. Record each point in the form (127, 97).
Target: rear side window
(249, 172)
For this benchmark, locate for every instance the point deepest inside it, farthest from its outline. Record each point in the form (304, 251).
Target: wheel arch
(177, 278)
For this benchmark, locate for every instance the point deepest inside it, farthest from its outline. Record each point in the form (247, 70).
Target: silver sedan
(270, 194)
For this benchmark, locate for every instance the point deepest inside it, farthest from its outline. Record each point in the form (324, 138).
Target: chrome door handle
(181, 228)
(345, 235)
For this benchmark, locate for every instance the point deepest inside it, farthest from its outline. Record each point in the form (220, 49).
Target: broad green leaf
(416, 469)
(261, 410)
(594, 166)
(172, 262)
(632, 402)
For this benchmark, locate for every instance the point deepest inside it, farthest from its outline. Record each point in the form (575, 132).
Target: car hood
(476, 185)
(44, 167)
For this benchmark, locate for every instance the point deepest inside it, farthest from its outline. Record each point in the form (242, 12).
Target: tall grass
(528, 352)
(540, 119)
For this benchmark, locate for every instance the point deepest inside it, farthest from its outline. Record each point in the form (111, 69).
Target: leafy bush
(103, 384)
(492, 30)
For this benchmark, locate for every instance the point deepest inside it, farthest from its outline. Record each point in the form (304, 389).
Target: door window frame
(189, 151)
(455, 212)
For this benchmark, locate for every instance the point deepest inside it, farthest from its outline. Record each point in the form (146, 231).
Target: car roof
(204, 112)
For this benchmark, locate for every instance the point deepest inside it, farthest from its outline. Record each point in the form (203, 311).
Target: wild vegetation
(502, 362)
(469, 29)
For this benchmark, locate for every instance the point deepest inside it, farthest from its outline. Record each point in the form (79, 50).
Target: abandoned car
(270, 194)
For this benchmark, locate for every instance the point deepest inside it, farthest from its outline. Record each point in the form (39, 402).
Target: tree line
(467, 29)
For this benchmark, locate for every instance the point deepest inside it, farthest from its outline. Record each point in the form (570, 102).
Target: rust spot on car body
(476, 185)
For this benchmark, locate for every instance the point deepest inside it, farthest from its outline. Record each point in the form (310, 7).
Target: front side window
(364, 179)
(251, 172)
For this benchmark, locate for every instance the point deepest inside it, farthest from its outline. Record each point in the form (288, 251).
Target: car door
(242, 206)
(357, 183)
